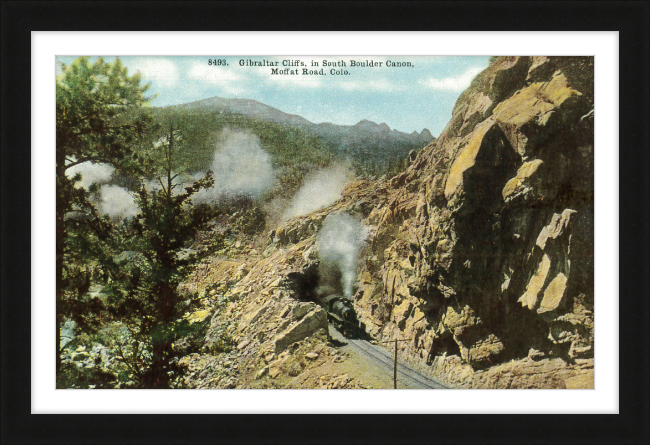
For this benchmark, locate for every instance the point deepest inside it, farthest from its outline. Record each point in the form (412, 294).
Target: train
(341, 314)
(340, 310)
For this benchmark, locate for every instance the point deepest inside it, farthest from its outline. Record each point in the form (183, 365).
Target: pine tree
(146, 295)
(93, 124)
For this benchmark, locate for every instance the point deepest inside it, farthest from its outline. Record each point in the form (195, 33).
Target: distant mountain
(341, 136)
(371, 146)
(248, 107)
(369, 139)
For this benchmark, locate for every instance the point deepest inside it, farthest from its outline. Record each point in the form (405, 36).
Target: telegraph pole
(395, 368)
(395, 363)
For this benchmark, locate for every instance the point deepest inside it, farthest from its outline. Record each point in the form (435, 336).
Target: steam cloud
(319, 190)
(117, 202)
(111, 200)
(240, 166)
(339, 242)
(90, 173)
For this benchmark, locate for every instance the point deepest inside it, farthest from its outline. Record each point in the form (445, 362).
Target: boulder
(301, 309)
(274, 372)
(262, 372)
(483, 352)
(68, 332)
(453, 319)
(307, 326)
(252, 316)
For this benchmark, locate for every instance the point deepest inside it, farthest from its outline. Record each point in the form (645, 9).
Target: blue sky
(405, 98)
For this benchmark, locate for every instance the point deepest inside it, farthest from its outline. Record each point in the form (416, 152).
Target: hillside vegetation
(293, 151)
(296, 145)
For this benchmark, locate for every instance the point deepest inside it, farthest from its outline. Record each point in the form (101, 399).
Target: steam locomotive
(341, 314)
(340, 310)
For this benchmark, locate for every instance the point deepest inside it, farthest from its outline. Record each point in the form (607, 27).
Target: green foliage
(71, 376)
(145, 293)
(294, 151)
(249, 222)
(190, 337)
(201, 129)
(93, 105)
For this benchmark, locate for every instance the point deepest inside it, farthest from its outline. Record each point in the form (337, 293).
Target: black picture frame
(631, 19)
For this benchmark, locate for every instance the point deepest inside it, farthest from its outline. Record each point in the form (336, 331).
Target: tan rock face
(536, 284)
(584, 380)
(466, 158)
(554, 293)
(557, 227)
(523, 183)
(535, 102)
(485, 243)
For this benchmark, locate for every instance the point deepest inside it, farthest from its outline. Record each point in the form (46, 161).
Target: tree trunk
(157, 376)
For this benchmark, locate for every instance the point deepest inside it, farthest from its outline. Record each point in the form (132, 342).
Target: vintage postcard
(324, 222)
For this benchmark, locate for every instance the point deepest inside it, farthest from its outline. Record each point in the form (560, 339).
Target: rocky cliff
(484, 252)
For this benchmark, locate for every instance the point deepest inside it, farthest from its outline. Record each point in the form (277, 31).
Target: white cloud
(372, 85)
(159, 70)
(289, 81)
(229, 80)
(452, 83)
(216, 74)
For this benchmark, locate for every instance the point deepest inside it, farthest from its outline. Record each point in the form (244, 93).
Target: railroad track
(383, 361)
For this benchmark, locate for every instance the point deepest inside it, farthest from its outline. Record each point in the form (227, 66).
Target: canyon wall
(483, 254)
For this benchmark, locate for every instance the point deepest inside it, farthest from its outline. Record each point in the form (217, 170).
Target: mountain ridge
(260, 110)
(367, 143)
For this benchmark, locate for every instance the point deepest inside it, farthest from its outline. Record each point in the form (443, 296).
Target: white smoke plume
(116, 202)
(90, 172)
(241, 168)
(112, 200)
(320, 189)
(339, 242)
